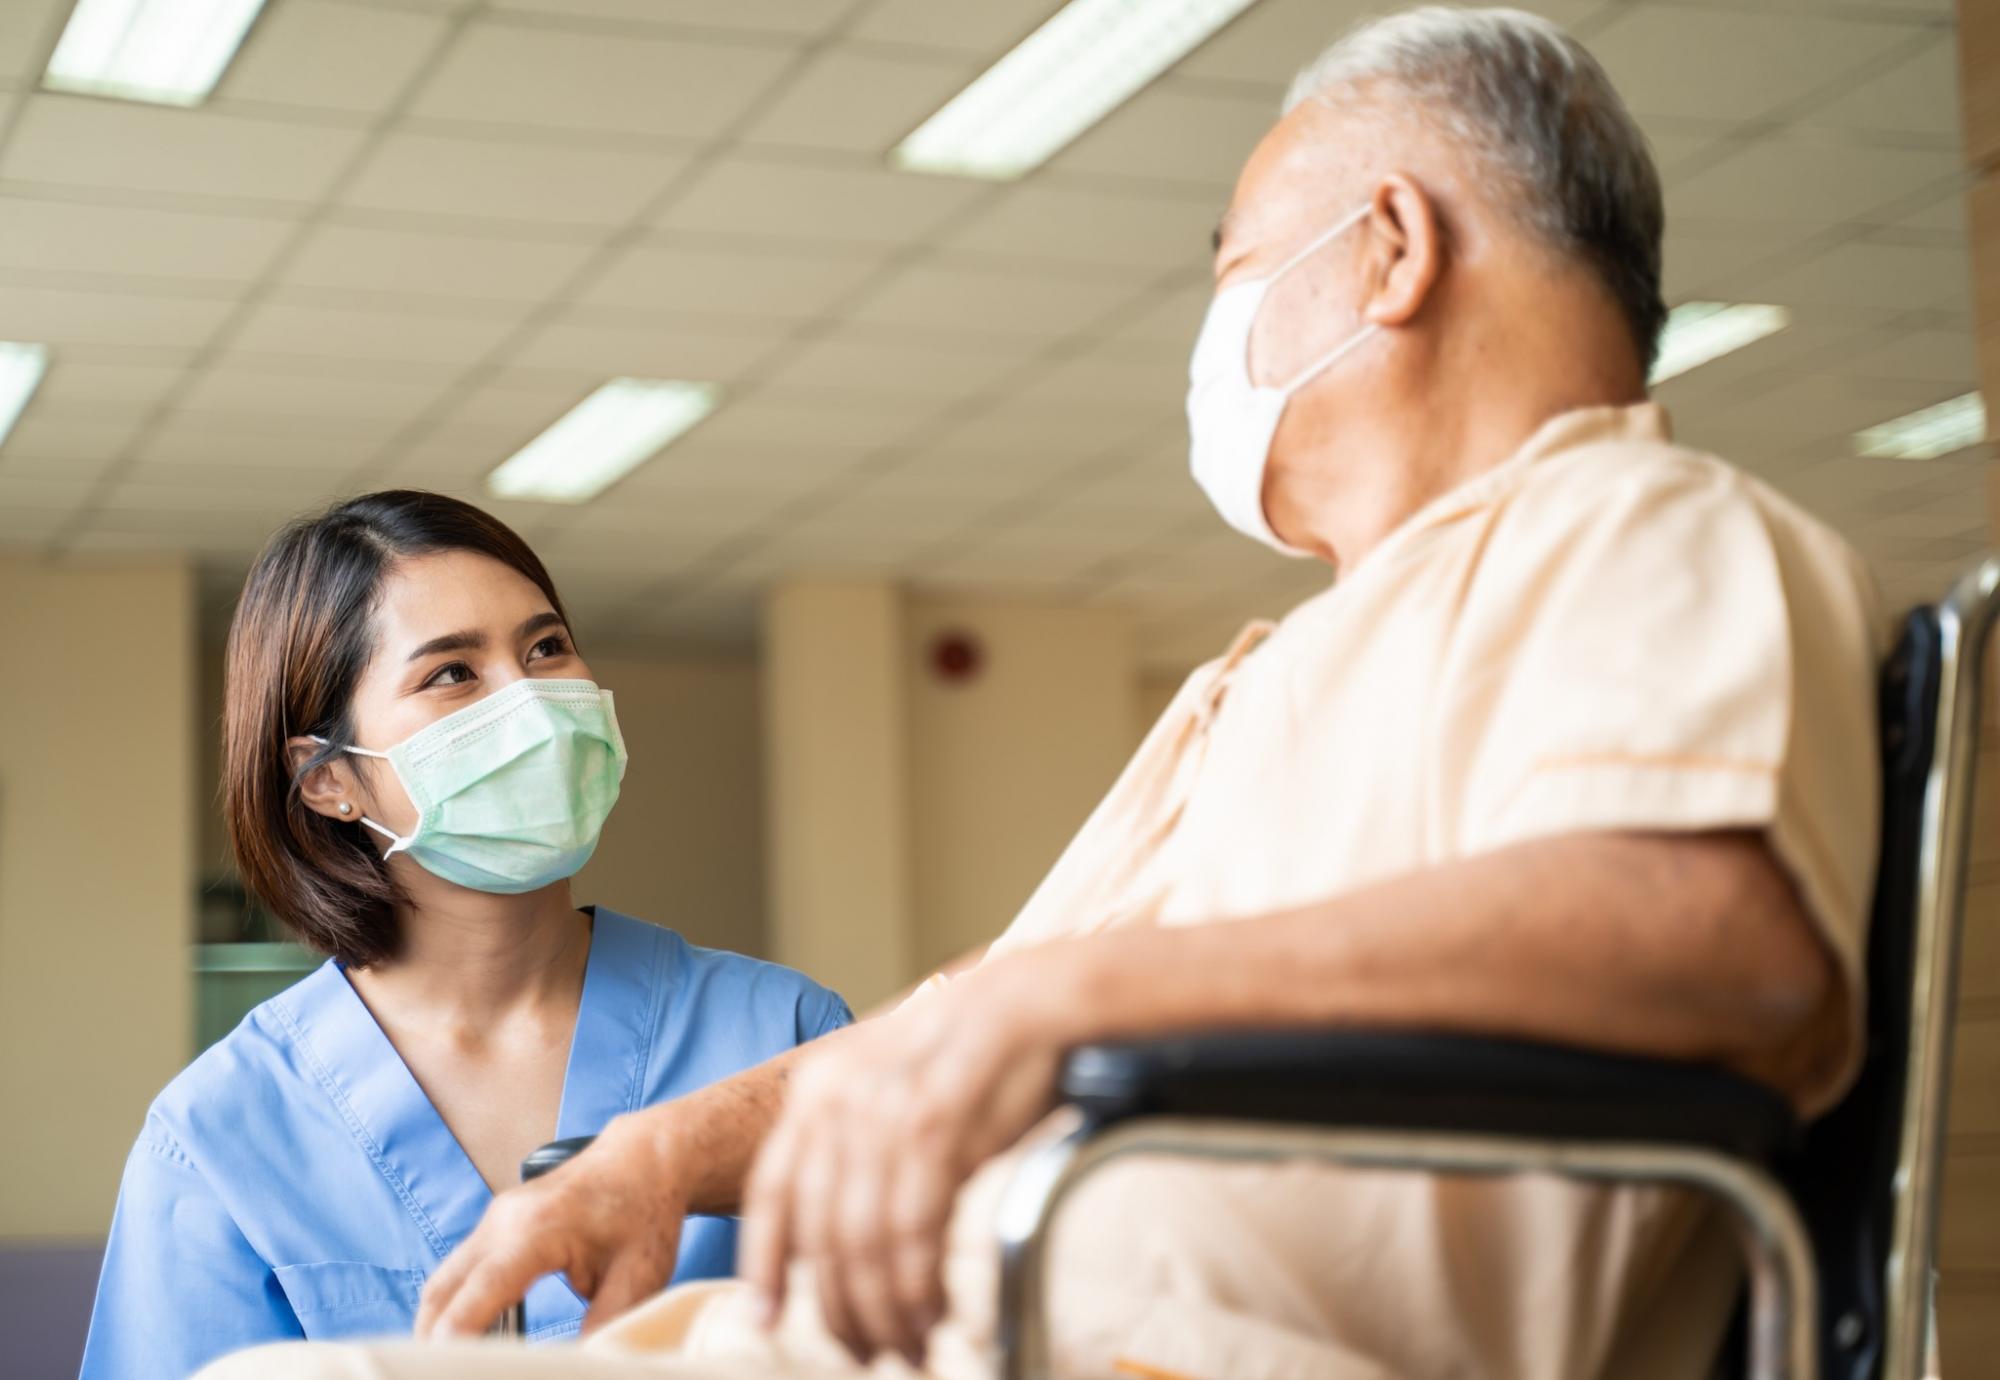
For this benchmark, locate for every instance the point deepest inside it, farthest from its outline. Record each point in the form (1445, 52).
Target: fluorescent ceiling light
(1698, 332)
(602, 439)
(1925, 435)
(1085, 62)
(21, 370)
(170, 52)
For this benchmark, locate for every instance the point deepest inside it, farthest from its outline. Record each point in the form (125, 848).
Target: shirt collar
(1566, 431)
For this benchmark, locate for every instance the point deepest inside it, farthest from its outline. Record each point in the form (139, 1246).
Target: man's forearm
(1681, 947)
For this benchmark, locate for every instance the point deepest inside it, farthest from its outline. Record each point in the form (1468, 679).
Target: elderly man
(1579, 748)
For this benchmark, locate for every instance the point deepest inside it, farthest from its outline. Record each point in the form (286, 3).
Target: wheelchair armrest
(554, 1155)
(1465, 1085)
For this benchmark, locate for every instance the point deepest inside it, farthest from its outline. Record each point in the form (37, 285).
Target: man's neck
(1424, 451)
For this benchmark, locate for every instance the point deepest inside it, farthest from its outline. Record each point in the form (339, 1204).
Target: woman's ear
(1410, 243)
(330, 788)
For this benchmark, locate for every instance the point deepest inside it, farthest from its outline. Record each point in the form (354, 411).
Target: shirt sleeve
(1647, 646)
(180, 1285)
(821, 1012)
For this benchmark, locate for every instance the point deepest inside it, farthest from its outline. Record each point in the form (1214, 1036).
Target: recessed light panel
(1086, 61)
(602, 439)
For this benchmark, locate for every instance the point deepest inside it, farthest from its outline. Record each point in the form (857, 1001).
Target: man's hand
(878, 1133)
(610, 1219)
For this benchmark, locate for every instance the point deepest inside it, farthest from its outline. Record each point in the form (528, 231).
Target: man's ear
(328, 786)
(1408, 246)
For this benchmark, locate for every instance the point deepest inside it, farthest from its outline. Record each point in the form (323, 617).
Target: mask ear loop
(397, 843)
(1311, 247)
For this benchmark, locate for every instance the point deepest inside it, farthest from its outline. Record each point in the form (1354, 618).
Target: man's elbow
(1791, 996)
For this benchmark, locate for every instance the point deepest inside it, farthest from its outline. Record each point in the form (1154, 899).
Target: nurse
(416, 761)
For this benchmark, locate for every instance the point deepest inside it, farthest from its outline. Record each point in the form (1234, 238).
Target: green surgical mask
(511, 792)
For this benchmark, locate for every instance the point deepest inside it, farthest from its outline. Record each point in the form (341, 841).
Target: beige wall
(684, 848)
(1004, 766)
(96, 877)
(1969, 1247)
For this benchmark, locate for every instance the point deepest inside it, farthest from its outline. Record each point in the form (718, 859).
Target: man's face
(1306, 176)
(1300, 180)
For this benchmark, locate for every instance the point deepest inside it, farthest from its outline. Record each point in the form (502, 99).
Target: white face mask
(1231, 419)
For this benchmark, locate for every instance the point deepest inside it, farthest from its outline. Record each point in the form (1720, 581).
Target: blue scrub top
(294, 1181)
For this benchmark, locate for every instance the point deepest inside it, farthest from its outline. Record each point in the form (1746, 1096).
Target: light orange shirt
(1606, 631)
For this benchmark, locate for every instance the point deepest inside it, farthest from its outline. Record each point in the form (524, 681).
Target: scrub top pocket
(348, 1298)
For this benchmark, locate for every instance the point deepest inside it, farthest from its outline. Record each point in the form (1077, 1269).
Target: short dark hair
(302, 635)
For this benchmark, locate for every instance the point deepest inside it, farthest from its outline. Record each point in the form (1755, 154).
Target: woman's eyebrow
(464, 641)
(547, 618)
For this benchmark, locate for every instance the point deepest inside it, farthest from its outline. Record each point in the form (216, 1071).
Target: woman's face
(450, 629)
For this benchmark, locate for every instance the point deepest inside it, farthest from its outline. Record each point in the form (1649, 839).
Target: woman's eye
(555, 644)
(457, 673)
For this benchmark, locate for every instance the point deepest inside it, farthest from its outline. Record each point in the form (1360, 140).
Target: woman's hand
(878, 1134)
(610, 1219)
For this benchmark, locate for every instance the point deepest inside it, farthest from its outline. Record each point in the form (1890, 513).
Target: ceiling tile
(1835, 403)
(1731, 63)
(28, 30)
(289, 330)
(1272, 40)
(1860, 274)
(330, 56)
(694, 351)
(1945, 213)
(778, 420)
(864, 204)
(511, 179)
(800, 17)
(1175, 134)
(1807, 182)
(192, 442)
(1917, 96)
(1168, 327)
(358, 259)
(778, 286)
(1944, 357)
(994, 301)
(848, 100)
(513, 74)
(41, 494)
(986, 30)
(241, 391)
(1159, 387)
(513, 404)
(126, 241)
(1032, 432)
(1135, 234)
(77, 442)
(882, 364)
(106, 388)
(59, 317)
(80, 141)
(1702, 256)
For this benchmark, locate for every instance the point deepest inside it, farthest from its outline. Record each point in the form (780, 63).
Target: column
(837, 809)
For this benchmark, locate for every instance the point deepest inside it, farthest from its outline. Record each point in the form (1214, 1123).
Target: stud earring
(345, 808)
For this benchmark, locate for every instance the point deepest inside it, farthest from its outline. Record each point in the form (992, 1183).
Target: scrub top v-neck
(295, 1181)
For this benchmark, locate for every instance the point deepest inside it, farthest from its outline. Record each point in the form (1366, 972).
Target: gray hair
(1532, 102)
